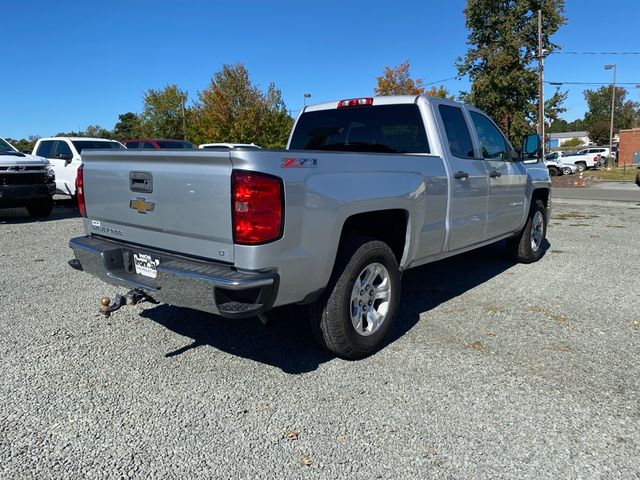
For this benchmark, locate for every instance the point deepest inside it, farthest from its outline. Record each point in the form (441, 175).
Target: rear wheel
(359, 307)
(528, 245)
(40, 208)
(581, 166)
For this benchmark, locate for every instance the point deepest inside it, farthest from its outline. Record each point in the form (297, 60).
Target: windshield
(95, 145)
(382, 129)
(5, 147)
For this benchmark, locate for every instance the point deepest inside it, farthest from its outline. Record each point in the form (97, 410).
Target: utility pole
(540, 83)
(184, 121)
(304, 98)
(612, 66)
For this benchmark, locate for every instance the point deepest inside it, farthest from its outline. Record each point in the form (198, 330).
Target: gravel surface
(493, 370)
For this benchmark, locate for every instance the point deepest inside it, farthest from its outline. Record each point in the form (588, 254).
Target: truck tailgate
(174, 201)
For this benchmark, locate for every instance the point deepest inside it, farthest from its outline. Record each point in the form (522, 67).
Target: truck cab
(65, 156)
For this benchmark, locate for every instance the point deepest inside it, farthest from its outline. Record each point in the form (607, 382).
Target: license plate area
(145, 265)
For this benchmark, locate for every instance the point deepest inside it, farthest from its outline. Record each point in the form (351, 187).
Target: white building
(556, 140)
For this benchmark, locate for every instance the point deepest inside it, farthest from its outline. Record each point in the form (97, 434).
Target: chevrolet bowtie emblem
(141, 205)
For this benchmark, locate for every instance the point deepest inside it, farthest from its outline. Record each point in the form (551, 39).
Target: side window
(45, 149)
(132, 144)
(492, 142)
(61, 148)
(147, 145)
(457, 131)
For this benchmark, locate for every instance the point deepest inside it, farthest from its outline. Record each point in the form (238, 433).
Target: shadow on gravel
(287, 343)
(62, 210)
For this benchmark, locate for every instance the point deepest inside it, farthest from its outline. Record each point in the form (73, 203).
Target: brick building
(629, 144)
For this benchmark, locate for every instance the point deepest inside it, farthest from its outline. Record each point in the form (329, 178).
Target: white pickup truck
(367, 188)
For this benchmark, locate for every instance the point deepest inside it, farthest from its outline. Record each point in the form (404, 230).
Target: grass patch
(574, 215)
(616, 174)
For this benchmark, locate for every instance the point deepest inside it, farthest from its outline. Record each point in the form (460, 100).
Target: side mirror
(67, 157)
(531, 147)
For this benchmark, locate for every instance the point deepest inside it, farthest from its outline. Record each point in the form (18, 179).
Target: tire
(527, 246)
(338, 321)
(581, 166)
(41, 208)
(566, 170)
(553, 171)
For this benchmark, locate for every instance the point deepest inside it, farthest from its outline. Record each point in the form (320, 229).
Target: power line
(591, 83)
(457, 77)
(594, 53)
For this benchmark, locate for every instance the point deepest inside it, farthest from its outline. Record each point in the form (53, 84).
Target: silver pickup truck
(366, 188)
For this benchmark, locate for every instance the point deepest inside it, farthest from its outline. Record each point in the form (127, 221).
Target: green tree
(231, 109)
(164, 113)
(574, 142)
(128, 126)
(24, 144)
(597, 120)
(93, 131)
(598, 131)
(554, 106)
(398, 81)
(503, 37)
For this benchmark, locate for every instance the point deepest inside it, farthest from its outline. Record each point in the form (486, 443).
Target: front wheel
(581, 167)
(528, 245)
(566, 170)
(553, 171)
(40, 208)
(360, 304)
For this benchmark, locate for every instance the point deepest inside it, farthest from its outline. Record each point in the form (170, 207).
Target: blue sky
(68, 64)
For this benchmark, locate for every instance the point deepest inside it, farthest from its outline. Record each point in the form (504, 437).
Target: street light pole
(306, 95)
(612, 66)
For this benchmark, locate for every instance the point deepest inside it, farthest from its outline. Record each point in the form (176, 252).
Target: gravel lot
(493, 370)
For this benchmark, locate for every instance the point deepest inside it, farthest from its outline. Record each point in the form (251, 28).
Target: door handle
(461, 175)
(495, 174)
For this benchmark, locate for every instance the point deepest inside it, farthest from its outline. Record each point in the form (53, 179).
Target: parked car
(65, 156)
(559, 164)
(365, 189)
(157, 143)
(228, 146)
(25, 181)
(589, 157)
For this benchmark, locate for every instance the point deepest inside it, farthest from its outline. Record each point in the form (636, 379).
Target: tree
(232, 109)
(24, 145)
(93, 131)
(597, 120)
(554, 106)
(164, 113)
(500, 60)
(398, 81)
(599, 131)
(574, 142)
(128, 126)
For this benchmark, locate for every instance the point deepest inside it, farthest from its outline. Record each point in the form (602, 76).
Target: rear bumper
(208, 286)
(21, 195)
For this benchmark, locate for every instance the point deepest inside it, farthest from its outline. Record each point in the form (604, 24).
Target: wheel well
(541, 194)
(388, 226)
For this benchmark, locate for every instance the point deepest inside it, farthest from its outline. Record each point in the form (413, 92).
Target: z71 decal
(299, 163)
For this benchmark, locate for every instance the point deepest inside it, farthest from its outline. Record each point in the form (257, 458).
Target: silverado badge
(141, 205)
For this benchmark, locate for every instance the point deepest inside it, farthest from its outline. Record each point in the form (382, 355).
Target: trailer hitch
(132, 297)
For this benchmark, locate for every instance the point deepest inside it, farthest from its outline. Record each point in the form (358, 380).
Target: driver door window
(492, 142)
(61, 148)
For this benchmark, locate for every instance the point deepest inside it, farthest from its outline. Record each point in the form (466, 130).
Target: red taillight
(355, 102)
(80, 191)
(257, 207)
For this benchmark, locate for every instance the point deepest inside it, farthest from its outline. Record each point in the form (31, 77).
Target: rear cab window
(373, 128)
(45, 149)
(457, 131)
